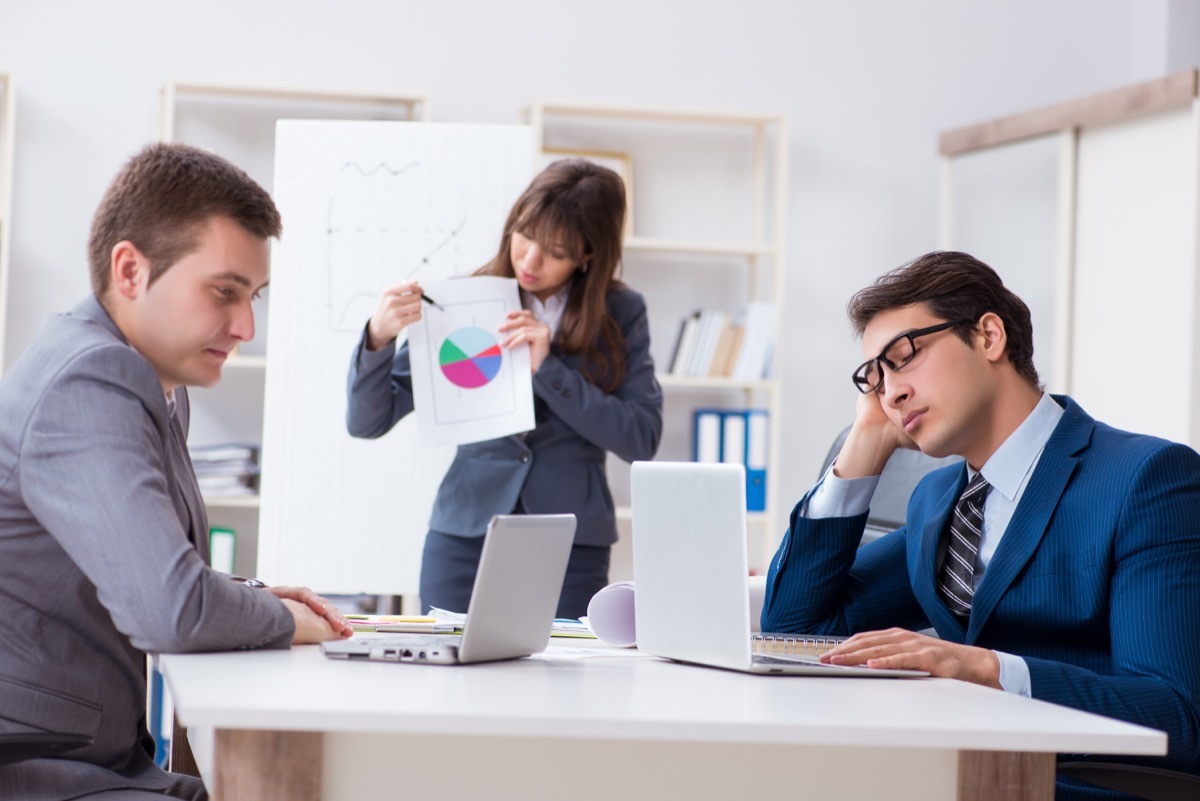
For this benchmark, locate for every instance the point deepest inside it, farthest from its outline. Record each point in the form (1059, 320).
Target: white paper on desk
(466, 388)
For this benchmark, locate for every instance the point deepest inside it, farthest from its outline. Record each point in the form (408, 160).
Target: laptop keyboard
(764, 659)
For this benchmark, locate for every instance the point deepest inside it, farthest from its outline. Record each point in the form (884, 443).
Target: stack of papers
(403, 623)
(565, 627)
(439, 621)
(226, 469)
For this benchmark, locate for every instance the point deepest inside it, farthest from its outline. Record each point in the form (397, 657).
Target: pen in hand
(431, 302)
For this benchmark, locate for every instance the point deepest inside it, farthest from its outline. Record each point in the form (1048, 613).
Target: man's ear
(993, 336)
(130, 270)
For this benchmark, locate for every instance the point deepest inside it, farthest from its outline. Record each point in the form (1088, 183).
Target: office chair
(903, 471)
(34, 745)
(889, 505)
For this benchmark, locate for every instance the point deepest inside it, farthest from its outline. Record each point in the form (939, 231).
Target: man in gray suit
(103, 533)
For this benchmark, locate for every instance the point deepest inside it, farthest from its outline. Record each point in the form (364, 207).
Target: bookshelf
(238, 122)
(708, 190)
(8, 106)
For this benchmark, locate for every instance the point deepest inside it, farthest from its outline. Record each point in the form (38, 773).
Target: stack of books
(711, 343)
(226, 469)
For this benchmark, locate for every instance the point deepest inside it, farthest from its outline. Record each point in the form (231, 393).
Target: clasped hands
(316, 618)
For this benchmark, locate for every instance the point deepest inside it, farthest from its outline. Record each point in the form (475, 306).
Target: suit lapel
(188, 491)
(1031, 519)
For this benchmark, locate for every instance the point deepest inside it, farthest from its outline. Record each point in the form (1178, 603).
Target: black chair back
(903, 471)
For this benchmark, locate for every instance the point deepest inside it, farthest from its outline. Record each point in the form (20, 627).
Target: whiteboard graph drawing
(381, 230)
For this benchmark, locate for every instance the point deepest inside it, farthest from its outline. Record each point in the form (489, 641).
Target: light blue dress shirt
(1008, 471)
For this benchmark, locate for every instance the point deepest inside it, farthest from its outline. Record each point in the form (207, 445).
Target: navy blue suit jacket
(1094, 583)
(556, 468)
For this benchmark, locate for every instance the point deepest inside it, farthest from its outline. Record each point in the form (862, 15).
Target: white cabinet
(238, 123)
(708, 191)
(1090, 209)
(8, 105)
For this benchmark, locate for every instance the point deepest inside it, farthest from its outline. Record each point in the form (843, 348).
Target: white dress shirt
(550, 312)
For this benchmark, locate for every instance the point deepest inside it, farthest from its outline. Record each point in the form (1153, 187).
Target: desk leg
(267, 765)
(1005, 776)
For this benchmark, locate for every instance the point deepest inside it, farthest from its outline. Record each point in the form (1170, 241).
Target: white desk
(294, 725)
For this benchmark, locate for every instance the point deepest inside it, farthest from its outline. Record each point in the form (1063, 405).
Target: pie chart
(470, 358)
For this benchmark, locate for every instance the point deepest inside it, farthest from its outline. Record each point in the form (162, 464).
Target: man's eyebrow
(237, 278)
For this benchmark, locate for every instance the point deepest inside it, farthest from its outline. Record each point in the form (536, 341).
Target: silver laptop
(690, 572)
(512, 604)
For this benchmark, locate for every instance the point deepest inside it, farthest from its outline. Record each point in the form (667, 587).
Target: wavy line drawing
(383, 165)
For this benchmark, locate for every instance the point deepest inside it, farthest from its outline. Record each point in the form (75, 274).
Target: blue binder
(739, 436)
(161, 719)
(757, 442)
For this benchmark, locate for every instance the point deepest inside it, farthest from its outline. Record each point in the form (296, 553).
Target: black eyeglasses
(868, 377)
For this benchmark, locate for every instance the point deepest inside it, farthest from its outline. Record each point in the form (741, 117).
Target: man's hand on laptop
(901, 648)
(316, 618)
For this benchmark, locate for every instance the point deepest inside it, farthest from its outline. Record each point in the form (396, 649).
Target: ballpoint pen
(431, 302)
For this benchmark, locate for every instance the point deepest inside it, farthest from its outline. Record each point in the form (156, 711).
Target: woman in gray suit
(593, 383)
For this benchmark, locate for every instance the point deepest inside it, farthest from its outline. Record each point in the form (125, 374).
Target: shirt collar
(550, 311)
(553, 304)
(1009, 466)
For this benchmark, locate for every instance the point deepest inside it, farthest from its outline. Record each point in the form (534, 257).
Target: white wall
(867, 84)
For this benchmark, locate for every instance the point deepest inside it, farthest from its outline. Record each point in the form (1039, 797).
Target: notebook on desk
(512, 604)
(690, 575)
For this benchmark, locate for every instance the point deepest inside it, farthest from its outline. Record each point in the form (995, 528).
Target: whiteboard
(364, 205)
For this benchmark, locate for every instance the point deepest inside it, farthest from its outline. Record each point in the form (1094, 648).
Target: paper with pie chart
(467, 388)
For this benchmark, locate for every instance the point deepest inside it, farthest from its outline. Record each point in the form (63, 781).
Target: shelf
(657, 114)
(756, 188)
(715, 382)
(625, 513)
(297, 94)
(231, 501)
(644, 244)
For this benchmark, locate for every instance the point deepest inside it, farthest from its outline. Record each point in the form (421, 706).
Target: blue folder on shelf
(735, 436)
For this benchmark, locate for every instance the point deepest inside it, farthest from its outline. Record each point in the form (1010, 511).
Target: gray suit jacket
(103, 549)
(556, 468)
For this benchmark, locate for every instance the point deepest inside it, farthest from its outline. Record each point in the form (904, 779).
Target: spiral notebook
(690, 571)
(792, 645)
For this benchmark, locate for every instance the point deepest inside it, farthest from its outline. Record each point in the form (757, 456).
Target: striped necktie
(956, 582)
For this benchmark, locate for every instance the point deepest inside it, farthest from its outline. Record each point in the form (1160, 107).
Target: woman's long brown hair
(582, 206)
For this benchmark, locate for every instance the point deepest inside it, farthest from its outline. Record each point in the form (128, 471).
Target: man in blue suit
(1068, 568)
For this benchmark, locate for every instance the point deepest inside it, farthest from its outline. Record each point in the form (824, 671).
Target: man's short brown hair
(162, 199)
(953, 286)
